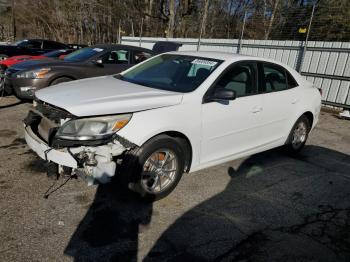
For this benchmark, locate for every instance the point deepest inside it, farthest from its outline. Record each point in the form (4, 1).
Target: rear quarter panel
(309, 101)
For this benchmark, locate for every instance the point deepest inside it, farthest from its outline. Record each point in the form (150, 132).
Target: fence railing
(326, 64)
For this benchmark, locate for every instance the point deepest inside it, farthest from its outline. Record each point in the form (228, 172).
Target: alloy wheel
(159, 171)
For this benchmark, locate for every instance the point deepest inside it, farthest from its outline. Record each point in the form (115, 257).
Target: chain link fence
(295, 36)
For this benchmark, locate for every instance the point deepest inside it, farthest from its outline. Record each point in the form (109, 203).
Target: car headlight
(35, 74)
(92, 128)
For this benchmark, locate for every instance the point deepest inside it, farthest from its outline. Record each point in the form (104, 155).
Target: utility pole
(203, 22)
(13, 20)
(141, 31)
(132, 29)
(242, 33)
(119, 34)
(307, 37)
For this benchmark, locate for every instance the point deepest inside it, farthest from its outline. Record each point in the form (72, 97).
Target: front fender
(179, 118)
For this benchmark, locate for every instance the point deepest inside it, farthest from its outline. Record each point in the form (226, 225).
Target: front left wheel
(155, 169)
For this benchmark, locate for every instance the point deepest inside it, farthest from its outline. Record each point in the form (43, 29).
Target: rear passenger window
(141, 56)
(53, 45)
(116, 57)
(275, 78)
(240, 78)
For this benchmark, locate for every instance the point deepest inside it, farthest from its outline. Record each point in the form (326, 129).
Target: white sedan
(177, 112)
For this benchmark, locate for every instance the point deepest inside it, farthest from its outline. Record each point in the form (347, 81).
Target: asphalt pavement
(266, 207)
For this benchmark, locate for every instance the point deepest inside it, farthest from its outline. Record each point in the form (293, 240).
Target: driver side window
(240, 78)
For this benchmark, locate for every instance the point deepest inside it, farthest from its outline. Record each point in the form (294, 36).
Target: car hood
(36, 63)
(106, 95)
(19, 57)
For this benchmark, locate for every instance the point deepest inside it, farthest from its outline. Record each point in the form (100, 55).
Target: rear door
(280, 100)
(232, 127)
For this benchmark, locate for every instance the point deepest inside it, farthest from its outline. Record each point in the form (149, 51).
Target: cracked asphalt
(267, 207)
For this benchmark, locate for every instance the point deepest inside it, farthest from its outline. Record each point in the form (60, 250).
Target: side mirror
(221, 94)
(98, 62)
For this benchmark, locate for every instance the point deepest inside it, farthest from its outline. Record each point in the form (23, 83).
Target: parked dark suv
(30, 47)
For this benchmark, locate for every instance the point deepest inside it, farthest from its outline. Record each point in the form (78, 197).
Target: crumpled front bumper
(91, 162)
(61, 157)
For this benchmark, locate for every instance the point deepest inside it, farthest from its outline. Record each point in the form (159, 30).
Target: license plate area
(45, 128)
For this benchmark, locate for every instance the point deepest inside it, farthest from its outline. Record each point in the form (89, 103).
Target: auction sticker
(204, 62)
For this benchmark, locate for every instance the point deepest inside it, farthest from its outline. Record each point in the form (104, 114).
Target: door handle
(256, 109)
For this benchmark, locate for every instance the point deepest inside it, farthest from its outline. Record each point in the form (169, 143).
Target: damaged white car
(177, 112)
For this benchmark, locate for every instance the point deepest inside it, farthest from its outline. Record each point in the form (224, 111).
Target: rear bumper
(61, 157)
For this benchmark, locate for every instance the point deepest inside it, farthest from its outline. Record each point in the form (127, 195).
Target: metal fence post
(199, 39)
(140, 41)
(242, 34)
(307, 38)
(119, 33)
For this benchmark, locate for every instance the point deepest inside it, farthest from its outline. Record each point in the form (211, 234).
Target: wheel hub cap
(299, 135)
(159, 171)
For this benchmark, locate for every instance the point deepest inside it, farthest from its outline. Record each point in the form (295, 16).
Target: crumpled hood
(106, 95)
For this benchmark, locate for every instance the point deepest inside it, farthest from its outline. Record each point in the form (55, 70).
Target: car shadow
(11, 105)
(274, 208)
(109, 230)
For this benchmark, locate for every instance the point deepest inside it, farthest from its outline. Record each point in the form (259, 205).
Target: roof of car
(46, 40)
(211, 54)
(226, 56)
(111, 46)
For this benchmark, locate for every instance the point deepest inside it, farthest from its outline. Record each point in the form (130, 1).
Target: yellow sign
(302, 30)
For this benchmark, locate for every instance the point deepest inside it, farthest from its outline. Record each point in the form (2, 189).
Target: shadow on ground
(275, 208)
(109, 231)
(13, 101)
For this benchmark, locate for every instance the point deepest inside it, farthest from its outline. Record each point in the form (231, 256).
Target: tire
(298, 135)
(2, 81)
(3, 57)
(60, 80)
(137, 172)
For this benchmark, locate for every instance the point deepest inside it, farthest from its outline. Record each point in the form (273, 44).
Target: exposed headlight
(37, 74)
(92, 128)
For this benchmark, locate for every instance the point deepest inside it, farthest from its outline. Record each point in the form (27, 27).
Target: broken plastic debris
(345, 114)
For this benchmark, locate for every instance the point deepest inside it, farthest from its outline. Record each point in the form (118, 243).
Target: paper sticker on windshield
(204, 62)
(98, 49)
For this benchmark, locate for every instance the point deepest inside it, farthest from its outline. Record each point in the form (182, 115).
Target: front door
(232, 127)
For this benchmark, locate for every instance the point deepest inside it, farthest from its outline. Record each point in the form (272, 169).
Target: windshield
(20, 42)
(83, 54)
(179, 73)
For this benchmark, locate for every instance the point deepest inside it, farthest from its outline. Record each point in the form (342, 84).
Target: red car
(4, 64)
(20, 58)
